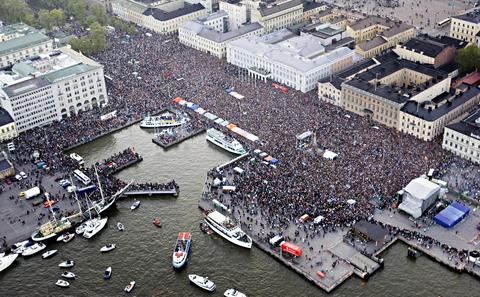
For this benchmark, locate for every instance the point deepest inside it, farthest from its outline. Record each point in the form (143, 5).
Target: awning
(182, 102)
(229, 188)
(178, 99)
(218, 121)
(200, 110)
(290, 248)
(231, 126)
(210, 116)
(238, 170)
(330, 155)
(273, 161)
(224, 123)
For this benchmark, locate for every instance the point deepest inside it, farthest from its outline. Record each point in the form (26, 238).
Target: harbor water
(144, 252)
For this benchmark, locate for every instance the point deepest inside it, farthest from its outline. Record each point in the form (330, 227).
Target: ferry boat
(224, 141)
(51, 229)
(6, 261)
(224, 227)
(182, 249)
(165, 120)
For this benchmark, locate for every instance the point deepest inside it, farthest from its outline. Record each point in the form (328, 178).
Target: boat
(227, 229)
(49, 254)
(108, 273)
(51, 229)
(225, 141)
(81, 228)
(33, 249)
(68, 274)
(182, 249)
(233, 293)
(94, 226)
(68, 237)
(108, 248)
(6, 261)
(120, 226)
(202, 282)
(165, 120)
(130, 287)
(135, 205)
(157, 222)
(62, 283)
(19, 247)
(66, 264)
(205, 229)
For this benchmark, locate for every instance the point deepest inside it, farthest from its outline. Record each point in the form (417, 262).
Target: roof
(334, 80)
(411, 107)
(370, 21)
(132, 5)
(211, 34)
(163, 15)
(25, 86)
(469, 126)
(356, 68)
(15, 28)
(16, 44)
(428, 47)
(421, 188)
(5, 117)
(68, 71)
(396, 29)
(472, 16)
(309, 5)
(371, 44)
(275, 8)
(4, 164)
(373, 231)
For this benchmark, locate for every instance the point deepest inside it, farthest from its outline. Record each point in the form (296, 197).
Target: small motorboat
(157, 222)
(81, 229)
(120, 226)
(62, 283)
(233, 293)
(202, 282)
(108, 273)
(33, 249)
(68, 274)
(205, 229)
(135, 205)
(66, 264)
(182, 248)
(68, 237)
(19, 247)
(107, 248)
(49, 254)
(6, 261)
(130, 287)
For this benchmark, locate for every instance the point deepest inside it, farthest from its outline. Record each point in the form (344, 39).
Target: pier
(169, 192)
(126, 165)
(182, 138)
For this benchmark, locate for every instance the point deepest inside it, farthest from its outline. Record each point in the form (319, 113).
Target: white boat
(233, 293)
(182, 248)
(68, 274)
(81, 228)
(108, 248)
(33, 249)
(165, 120)
(6, 261)
(62, 283)
(202, 282)
(225, 141)
(130, 287)
(108, 273)
(19, 247)
(135, 205)
(120, 226)
(94, 226)
(227, 229)
(68, 237)
(66, 264)
(51, 229)
(49, 254)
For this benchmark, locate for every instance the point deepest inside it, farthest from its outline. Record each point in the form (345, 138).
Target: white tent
(419, 195)
(330, 155)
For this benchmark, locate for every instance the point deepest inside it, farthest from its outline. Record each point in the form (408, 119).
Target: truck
(30, 193)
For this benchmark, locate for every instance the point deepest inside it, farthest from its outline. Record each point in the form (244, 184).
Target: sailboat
(52, 228)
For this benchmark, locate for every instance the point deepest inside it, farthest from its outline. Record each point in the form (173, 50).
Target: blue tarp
(452, 215)
(228, 90)
(193, 106)
(273, 161)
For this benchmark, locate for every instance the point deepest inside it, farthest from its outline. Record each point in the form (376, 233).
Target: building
(237, 13)
(427, 120)
(6, 167)
(278, 15)
(20, 41)
(463, 138)
(374, 35)
(295, 61)
(8, 129)
(427, 50)
(418, 196)
(327, 33)
(210, 34)
(51, 87)
(311, 8)
(465, 26)
(161, 17)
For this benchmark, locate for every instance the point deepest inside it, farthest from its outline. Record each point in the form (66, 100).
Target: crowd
(172, 185)
(119, 161)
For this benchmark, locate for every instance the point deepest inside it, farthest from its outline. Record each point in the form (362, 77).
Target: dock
(178, 140)
(169, 192)
(126, 165)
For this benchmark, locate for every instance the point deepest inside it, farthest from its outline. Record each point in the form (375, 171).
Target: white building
(278, 15)
(237, 13)
(295, 61)
(463, 138)
(19, 41)
(51, 87)
(210, 34)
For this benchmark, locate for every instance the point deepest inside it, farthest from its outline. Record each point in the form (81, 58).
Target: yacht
(224, 227)
(135, 205)
(108, 273)
(107, 248)
(130, 287)
(6, 261)
(182, 248)
(68, 275)
(51, 229)
(165, 120)
(62, 283)
(81, 228)
(19, 247)
(66, 264)
(225, 141)
(49, 254)
(233, 293)
(202, 282)
(94, 226)
(33, 249)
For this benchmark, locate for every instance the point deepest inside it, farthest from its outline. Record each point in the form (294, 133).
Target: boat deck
(184, 136)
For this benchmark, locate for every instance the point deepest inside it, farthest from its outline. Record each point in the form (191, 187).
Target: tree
(45, 19)
(58, 17)
(97, 36)
(100, 13)
(468, 58)
(77, 8)
(14, 11)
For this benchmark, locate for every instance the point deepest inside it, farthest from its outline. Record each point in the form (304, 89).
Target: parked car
(23, 174)
(71, 189)
(18, 177)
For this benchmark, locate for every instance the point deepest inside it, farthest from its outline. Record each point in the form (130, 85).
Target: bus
(444, 22)
(78, 158)
(87, 189)
(82, 177)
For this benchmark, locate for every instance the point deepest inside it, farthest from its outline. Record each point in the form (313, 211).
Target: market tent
(228, 90)
(290, 248)
(224, 123)
(200, 110)
(231, 126)
(351, 201)
(192, 106)
(268, 158)
(237, 95)
(178, 99)
(274, 161)
(218, 121)
(182, 102)
(251, 137)
(330, 155)
(451, 215)
(210, 116)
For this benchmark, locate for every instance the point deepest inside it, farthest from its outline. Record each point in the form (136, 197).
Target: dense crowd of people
(119, 161)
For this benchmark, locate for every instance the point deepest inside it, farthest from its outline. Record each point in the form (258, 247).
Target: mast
(75, 195)
(99, 184)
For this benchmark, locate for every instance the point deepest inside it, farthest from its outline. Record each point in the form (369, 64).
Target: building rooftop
(16, 44)
(132, 5)
(472, 16)
(428, 47)
(309, 5)
(68, 71)
(336, 81)
(469, 126)
(372, 43)
(163, 15)
(5, 117)
(214, 35)
(396, 29)
(25, 86)
(371, 21)
(278, 7)
(15, 28)
(212, 16)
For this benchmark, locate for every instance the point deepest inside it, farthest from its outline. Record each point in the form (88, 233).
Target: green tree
(97, 36)
(77, 8)
(14, 11)
(100, 13)
(468, 58)
(45, 19)
(58, 17)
